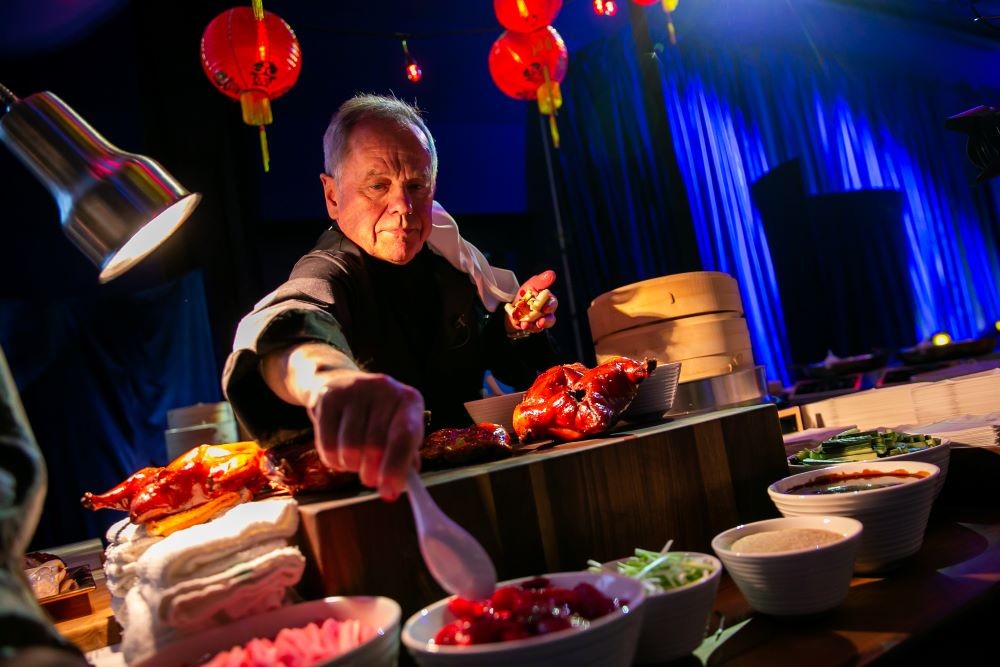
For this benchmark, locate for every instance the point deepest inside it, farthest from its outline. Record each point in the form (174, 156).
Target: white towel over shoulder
(495, 286)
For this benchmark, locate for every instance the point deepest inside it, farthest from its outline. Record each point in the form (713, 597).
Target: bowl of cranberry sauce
(564, 618)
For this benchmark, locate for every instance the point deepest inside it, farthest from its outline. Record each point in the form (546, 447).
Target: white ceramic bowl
(674, 620)
(894, 517)
(380, 613)
(609, 641)
(495, 410)
(939, 455)
(787, 583)
(656, 392)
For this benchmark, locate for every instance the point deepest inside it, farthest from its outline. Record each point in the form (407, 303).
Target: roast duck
(450, 447)
(570, 402)
(208, 479)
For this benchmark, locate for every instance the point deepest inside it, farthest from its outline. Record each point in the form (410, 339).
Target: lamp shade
(116, 207)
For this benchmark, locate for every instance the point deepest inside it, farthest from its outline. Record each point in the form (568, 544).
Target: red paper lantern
(519, 61)
(251, 57)
(530, 66)
(526, 15)
(645, 3)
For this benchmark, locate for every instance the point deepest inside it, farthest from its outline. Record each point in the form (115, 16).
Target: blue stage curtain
(615, 193)
(735, 115)
(97, 374)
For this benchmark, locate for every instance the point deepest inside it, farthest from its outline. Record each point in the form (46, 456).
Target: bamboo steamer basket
(665, 298)
(706, 345)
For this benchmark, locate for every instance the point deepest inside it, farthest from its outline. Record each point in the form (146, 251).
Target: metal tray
(745, 387)
(85, 583)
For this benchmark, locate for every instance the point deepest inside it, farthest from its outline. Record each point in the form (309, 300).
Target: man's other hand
(534, 308)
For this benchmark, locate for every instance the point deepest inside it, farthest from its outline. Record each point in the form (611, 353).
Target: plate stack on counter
(694, 318)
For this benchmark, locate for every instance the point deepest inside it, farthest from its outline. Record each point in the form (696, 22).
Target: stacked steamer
(236, 565)
(695, 318)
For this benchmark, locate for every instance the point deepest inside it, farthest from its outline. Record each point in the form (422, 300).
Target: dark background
(132, 70)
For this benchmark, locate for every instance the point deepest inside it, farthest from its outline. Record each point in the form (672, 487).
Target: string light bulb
(413, 71)
(605, 7)
(941, 338)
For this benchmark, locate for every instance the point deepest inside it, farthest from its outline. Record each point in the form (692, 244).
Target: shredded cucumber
(865, 446)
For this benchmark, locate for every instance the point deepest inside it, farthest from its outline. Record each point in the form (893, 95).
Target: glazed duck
(191, 488)
(570, 402)
(461, 446)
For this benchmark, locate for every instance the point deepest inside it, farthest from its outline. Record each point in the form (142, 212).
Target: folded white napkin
(119, 610)
(234, 566)
(143, 635)
(210, 547)
(126, 544)
(495, 286)
(127, 541)
(243, 589)
(120, 578)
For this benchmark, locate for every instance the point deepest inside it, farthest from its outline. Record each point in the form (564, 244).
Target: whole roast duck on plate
(571, 402)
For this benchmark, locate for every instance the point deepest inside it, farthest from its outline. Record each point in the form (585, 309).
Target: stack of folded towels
(236, 565)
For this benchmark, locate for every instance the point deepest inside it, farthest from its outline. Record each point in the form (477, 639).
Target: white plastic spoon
(454, 558)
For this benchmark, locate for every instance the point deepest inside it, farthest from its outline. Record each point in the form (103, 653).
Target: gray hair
(364, 107)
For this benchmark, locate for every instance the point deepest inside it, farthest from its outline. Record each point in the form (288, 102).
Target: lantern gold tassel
(256, 108)
(669, 6)
(549, 101)
(263, 150)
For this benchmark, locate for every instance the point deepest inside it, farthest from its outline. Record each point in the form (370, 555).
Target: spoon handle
(455, 559)
(419, 498)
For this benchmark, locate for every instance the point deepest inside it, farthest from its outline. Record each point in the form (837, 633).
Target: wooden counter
(94, 626)
(553, 507)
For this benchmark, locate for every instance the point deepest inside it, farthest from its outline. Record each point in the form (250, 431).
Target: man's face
(382, 200)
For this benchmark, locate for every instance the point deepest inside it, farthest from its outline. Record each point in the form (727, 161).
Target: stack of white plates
(894, 517)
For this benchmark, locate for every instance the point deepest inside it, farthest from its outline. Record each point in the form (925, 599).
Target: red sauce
(849, 482)
(518, 612)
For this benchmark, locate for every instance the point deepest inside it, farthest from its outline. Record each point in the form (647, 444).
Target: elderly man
(390, 313)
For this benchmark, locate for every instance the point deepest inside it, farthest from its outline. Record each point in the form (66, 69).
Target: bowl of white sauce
(792, 565)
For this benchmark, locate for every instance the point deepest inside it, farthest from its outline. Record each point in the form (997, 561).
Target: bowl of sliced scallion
(680, 591)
